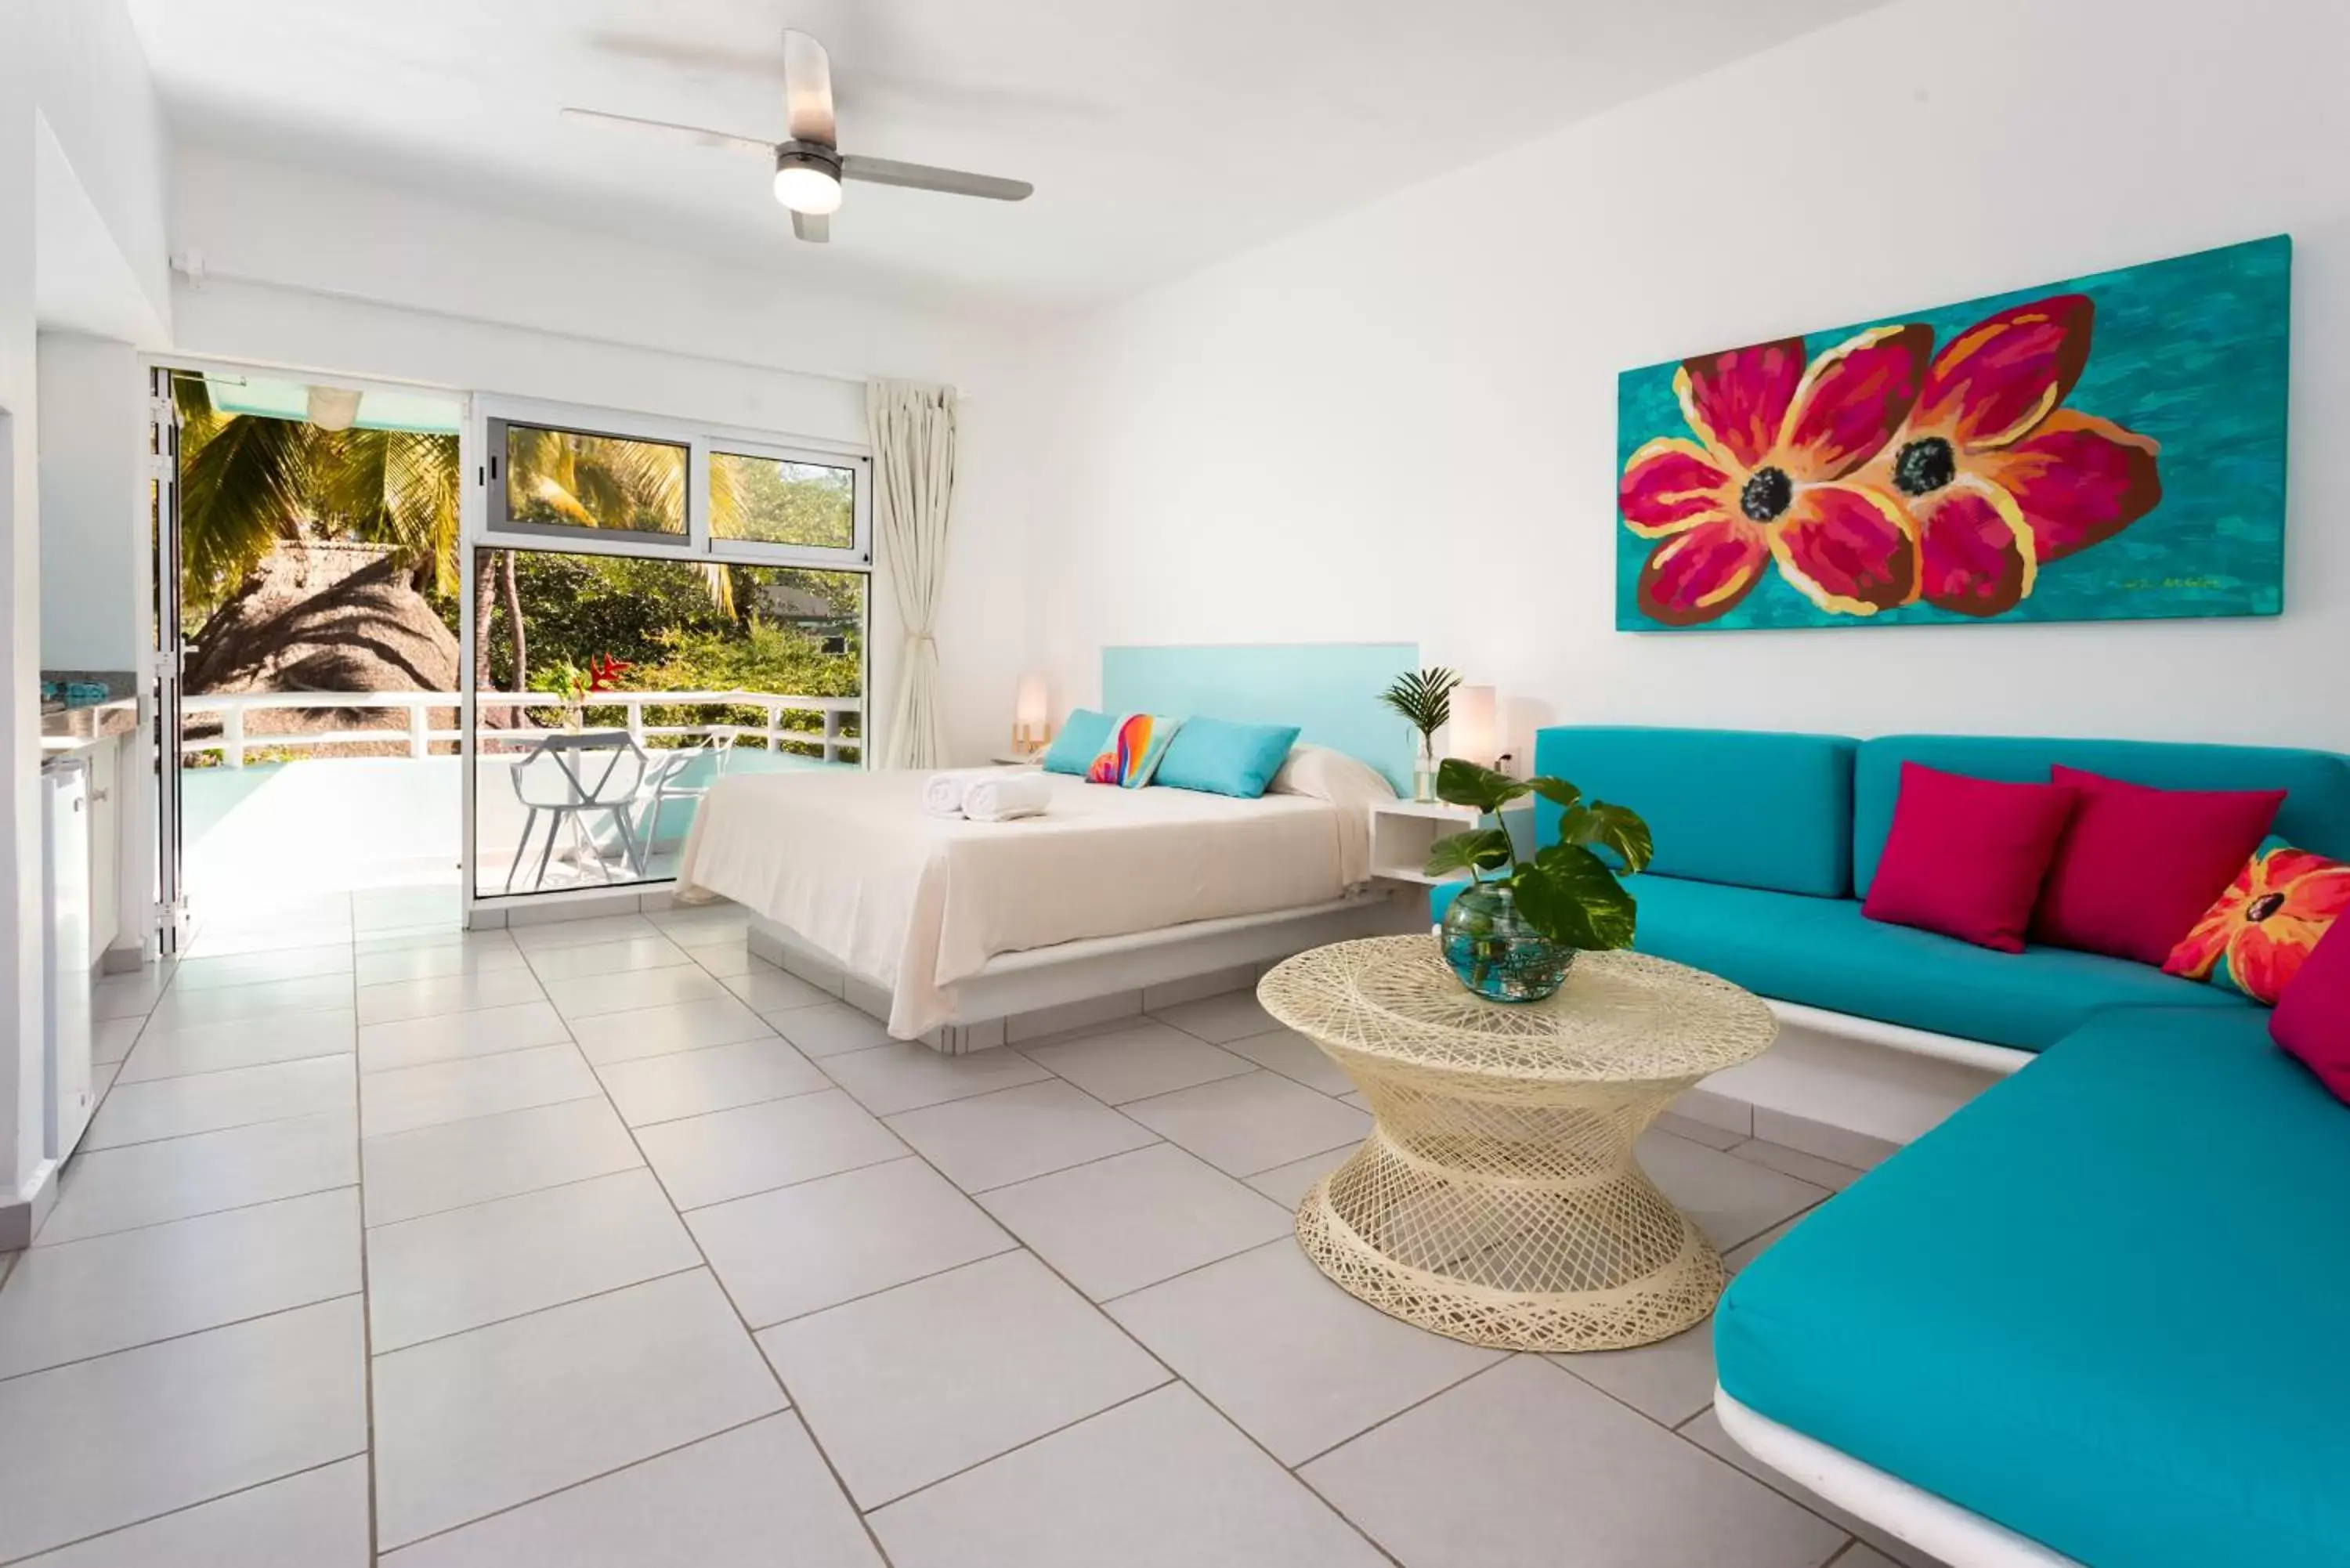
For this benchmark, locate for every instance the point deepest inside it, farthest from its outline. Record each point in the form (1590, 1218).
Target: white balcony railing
(420, 734)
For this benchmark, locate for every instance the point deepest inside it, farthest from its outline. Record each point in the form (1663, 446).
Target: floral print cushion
(2256, 938)
(1130, 755)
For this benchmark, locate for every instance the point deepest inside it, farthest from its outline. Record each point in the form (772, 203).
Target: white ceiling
(1162, 134)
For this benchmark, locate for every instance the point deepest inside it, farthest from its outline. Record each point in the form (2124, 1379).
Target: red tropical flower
(1997, 478)
(604, 671)
(1768, 479)
(2265, 924)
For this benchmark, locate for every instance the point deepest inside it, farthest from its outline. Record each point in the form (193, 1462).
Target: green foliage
(1569, 891)
(1485, 849)
(1425, 699)
(782, 503)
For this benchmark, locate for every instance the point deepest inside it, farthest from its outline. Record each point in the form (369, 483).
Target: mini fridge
(65, 910)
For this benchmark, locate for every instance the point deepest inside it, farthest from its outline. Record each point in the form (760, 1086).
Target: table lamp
(1474, 736)
(1031, 720)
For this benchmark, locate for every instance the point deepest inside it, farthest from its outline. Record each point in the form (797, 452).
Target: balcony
(273, 817)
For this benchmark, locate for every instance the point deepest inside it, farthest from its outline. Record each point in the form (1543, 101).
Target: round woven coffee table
(1497, 1199)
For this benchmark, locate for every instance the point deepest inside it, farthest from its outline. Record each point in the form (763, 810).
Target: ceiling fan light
(806, 187)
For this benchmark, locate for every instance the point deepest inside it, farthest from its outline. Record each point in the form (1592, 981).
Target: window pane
(614, 691)
(572, 479)
(777, 501)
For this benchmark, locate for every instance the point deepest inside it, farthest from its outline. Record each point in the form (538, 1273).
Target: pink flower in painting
(1997, 478)
(1769, 478)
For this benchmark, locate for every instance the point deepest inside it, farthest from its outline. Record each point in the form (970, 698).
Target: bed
(951, 929)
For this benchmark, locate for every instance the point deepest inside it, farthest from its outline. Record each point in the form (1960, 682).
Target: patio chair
(575, 779)
(663, 785)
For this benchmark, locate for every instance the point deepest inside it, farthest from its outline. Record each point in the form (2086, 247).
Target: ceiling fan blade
(923, 177)
(812, 226)
(664, 128)
(807, 89)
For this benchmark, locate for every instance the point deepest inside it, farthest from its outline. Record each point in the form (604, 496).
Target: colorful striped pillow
(1136, 742)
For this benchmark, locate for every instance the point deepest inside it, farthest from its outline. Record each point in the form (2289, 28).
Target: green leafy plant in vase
(1425, 699)
(1512, 933)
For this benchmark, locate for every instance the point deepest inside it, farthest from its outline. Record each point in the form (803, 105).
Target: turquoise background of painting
(2191, 351)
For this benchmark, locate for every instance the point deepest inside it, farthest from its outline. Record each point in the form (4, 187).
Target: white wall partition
(73, 75)
(1403, 422)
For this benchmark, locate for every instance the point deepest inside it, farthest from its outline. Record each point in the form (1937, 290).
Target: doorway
(309, 628)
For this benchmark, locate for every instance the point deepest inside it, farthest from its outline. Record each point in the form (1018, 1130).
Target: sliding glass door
(650, 610)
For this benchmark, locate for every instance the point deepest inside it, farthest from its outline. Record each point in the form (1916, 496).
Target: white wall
(94, 89)
(1403, 423)
(307, 271)
(94, 544)
(20, 604)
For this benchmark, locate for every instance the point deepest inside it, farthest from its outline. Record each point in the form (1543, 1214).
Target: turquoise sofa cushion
(2101, 1304)
(1221, 757)
(1822, 952)
(2316, 814)
(1748, 807)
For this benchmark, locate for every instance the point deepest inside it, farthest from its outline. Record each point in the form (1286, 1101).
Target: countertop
(76, 729)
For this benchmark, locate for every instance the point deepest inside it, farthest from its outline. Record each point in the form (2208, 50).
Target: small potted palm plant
(1512, 933)
(1425, 699)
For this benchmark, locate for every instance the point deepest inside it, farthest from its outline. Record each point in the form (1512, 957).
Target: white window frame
(491, 415)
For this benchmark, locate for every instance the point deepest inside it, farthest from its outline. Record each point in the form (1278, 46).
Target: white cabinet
(104, 845)
(66, 912)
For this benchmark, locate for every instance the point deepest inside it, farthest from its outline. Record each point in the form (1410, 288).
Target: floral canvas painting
(2106, 448)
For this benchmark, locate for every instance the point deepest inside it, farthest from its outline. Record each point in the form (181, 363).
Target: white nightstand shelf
(1402, 831)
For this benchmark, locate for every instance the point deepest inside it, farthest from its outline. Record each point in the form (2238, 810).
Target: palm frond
(718, 578)
(347, 479)
(242, 490)
(1424, 698)
(421, 499)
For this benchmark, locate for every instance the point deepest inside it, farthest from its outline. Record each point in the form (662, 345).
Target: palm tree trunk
(485, 588)
(514, 633)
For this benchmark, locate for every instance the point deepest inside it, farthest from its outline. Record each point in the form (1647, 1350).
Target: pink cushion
(1966, 856)
(2138, 866)
(2312, 1018)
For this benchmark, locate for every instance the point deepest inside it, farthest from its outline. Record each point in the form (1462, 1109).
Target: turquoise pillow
(1221, 757)
(1083, 735)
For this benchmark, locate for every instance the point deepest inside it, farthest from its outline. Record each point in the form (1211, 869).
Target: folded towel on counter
(1001, 798)
(942, 794)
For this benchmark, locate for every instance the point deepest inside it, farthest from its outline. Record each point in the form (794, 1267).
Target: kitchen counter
(72, 729)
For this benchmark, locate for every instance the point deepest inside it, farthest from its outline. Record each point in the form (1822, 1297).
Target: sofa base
(1848, 1089)
(1930, 1524)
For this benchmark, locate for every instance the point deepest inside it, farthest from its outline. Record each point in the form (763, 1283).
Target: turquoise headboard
(1330, 690)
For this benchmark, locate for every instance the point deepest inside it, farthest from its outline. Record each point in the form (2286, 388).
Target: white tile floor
(605, 1244)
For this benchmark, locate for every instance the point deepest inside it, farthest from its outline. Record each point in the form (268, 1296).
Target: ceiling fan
(809, 166)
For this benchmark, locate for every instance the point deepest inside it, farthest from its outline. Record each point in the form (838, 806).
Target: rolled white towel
(942, 793)
(1000, 797)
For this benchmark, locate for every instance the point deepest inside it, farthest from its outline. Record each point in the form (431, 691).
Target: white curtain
(913, 432)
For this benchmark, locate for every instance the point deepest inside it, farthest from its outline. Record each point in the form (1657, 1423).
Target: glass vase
(1495, 952)
(1423, 780)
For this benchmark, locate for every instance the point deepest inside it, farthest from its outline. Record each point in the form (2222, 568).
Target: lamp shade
(1474, 737)
(1034, 706)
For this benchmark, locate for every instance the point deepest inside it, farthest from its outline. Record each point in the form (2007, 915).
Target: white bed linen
(852, 863)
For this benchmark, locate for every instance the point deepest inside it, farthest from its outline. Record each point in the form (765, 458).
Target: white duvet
(852, 863)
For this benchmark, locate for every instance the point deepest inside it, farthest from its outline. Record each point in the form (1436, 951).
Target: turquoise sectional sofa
(2101, 1304)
